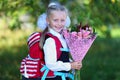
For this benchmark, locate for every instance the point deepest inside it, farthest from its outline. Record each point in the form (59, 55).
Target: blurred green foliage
(94, 12)
(102, 60)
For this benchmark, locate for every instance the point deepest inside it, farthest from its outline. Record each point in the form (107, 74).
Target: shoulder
(50, 40)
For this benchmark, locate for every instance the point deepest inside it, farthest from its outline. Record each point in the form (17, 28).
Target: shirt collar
(53, 32)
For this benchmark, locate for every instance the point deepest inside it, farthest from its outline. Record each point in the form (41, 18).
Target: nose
(59, 23)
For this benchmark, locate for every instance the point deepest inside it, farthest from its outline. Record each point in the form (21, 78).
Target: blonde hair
(50, 8)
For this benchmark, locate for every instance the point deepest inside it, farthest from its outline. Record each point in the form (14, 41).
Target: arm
(51, 57)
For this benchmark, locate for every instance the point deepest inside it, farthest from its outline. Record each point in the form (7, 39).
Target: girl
(56, 19)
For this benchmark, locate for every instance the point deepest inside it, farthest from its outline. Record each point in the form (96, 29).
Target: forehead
(58, 14)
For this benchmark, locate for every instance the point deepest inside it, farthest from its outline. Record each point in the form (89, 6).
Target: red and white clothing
(55, 60)
(50, 53)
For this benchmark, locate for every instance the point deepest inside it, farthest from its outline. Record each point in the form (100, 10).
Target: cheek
(54, 23)
(63, 23)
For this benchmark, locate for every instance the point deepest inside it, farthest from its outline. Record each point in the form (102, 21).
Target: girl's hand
(76, 65)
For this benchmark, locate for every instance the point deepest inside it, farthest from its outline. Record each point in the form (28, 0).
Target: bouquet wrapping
(79, 42)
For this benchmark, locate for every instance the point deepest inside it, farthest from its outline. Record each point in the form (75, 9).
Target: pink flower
(65, 32)
(86, 34)
(79, 34)
(77, 44)
(74, 33)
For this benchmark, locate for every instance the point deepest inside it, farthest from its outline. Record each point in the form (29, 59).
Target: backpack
(33, 66)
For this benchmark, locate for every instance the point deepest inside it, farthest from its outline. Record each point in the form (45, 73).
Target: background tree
(93, 12)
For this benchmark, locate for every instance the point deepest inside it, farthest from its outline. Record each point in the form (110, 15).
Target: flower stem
(77, 75)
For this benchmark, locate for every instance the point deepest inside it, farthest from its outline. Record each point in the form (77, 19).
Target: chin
(60, 30)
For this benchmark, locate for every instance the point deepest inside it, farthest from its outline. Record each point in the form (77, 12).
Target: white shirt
(51, 55)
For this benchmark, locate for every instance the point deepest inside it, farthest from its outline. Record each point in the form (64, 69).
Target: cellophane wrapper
(78, 45)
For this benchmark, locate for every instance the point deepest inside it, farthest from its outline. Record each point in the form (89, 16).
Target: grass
(101, 62)
(12, 49)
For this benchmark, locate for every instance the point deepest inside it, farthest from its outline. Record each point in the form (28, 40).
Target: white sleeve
(51, 57)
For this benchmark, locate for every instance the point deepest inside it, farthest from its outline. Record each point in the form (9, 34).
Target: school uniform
(59, 65)
(62, 64)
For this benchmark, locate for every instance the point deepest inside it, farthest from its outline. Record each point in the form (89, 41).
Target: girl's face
(57, 20)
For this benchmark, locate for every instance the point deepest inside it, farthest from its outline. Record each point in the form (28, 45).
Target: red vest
(30, 67)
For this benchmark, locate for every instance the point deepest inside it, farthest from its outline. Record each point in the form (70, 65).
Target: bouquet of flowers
(80, 41)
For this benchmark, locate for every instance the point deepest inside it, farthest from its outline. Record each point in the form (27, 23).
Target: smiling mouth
(59, 27)
(59, 30)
